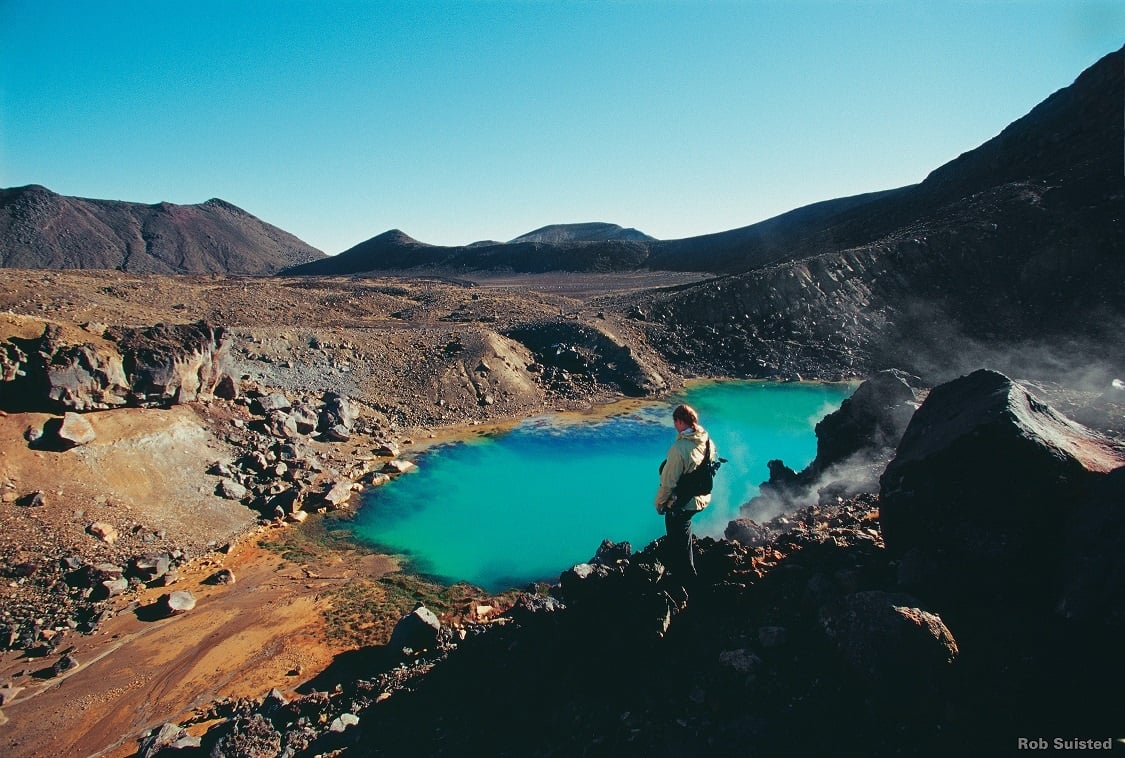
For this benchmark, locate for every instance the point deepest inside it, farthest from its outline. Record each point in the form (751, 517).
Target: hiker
(684, 456)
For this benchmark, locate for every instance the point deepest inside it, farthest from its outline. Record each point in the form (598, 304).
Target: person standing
(691, 448)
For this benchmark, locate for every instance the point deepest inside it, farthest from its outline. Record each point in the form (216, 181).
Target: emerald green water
(506, 509)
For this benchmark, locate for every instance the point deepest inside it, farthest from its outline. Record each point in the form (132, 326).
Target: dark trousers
(677, 545)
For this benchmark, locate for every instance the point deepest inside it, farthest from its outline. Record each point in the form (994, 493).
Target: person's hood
(697, 435)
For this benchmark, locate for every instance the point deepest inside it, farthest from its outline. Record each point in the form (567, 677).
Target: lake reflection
(524, 505)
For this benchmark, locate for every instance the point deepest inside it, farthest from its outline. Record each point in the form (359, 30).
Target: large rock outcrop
(46, 366)
(853, 445)
(985, 480)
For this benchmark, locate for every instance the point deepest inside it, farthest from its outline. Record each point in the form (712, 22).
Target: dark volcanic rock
(986, 475)
(853, 446)
(869, 422)
(888, 639)
(417, 631)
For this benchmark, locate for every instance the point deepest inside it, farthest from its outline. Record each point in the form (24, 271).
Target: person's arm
(669, 475)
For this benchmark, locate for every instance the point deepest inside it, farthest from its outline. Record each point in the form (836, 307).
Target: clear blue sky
(461, 121)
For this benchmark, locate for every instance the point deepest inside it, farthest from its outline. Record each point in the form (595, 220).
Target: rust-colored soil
(241, 640)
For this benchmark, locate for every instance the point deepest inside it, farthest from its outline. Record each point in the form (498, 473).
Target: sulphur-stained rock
(105, 532)
(986, 475)
(888, 639)
(172, 363)
(180, 601)
(297, 517)
(416, 631)
(76, 430)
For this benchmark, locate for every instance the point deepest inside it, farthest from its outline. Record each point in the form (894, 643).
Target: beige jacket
(685, 454)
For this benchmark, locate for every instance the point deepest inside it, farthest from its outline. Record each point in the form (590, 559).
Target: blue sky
(461, 121)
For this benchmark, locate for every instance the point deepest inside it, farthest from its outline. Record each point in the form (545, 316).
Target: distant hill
(583, 251)
(556, 234)
(43, 230)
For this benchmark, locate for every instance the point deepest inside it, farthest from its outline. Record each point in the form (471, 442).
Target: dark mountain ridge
(40, 229)
(1016, 243)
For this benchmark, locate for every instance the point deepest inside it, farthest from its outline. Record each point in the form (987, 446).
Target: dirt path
(239, 641)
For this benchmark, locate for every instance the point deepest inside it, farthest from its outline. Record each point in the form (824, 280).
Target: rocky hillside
(1010, 254)
(44, 230)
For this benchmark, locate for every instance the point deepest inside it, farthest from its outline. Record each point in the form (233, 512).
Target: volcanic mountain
(561, 247)
(1016, 243)
(44, 230)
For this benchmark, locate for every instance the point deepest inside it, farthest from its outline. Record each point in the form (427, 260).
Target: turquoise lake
(509, 508)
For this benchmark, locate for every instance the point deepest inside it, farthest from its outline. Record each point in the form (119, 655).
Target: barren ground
(280, 624)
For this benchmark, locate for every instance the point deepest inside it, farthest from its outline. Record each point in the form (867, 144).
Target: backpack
(701, 479)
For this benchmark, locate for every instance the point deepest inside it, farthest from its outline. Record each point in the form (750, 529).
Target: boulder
(75, 430)
(415, 632)
(984, 478)
(873, 419)
(853, 445)
(150, 567)
(388, 450)
(748, 532)
(338, 494)
(338, 411)
(275, 401)
(168, 737)
(222, 576)
(337, 433)
(107, 533)
(282, 425)
(399, 466)
(175, 603)
(305, 418)
(232, 490)
(227, 388)
(887, 639)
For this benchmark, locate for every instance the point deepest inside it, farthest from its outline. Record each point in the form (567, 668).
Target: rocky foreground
(975, 600)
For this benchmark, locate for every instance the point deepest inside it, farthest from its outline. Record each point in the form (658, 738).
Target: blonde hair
(686, 414)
